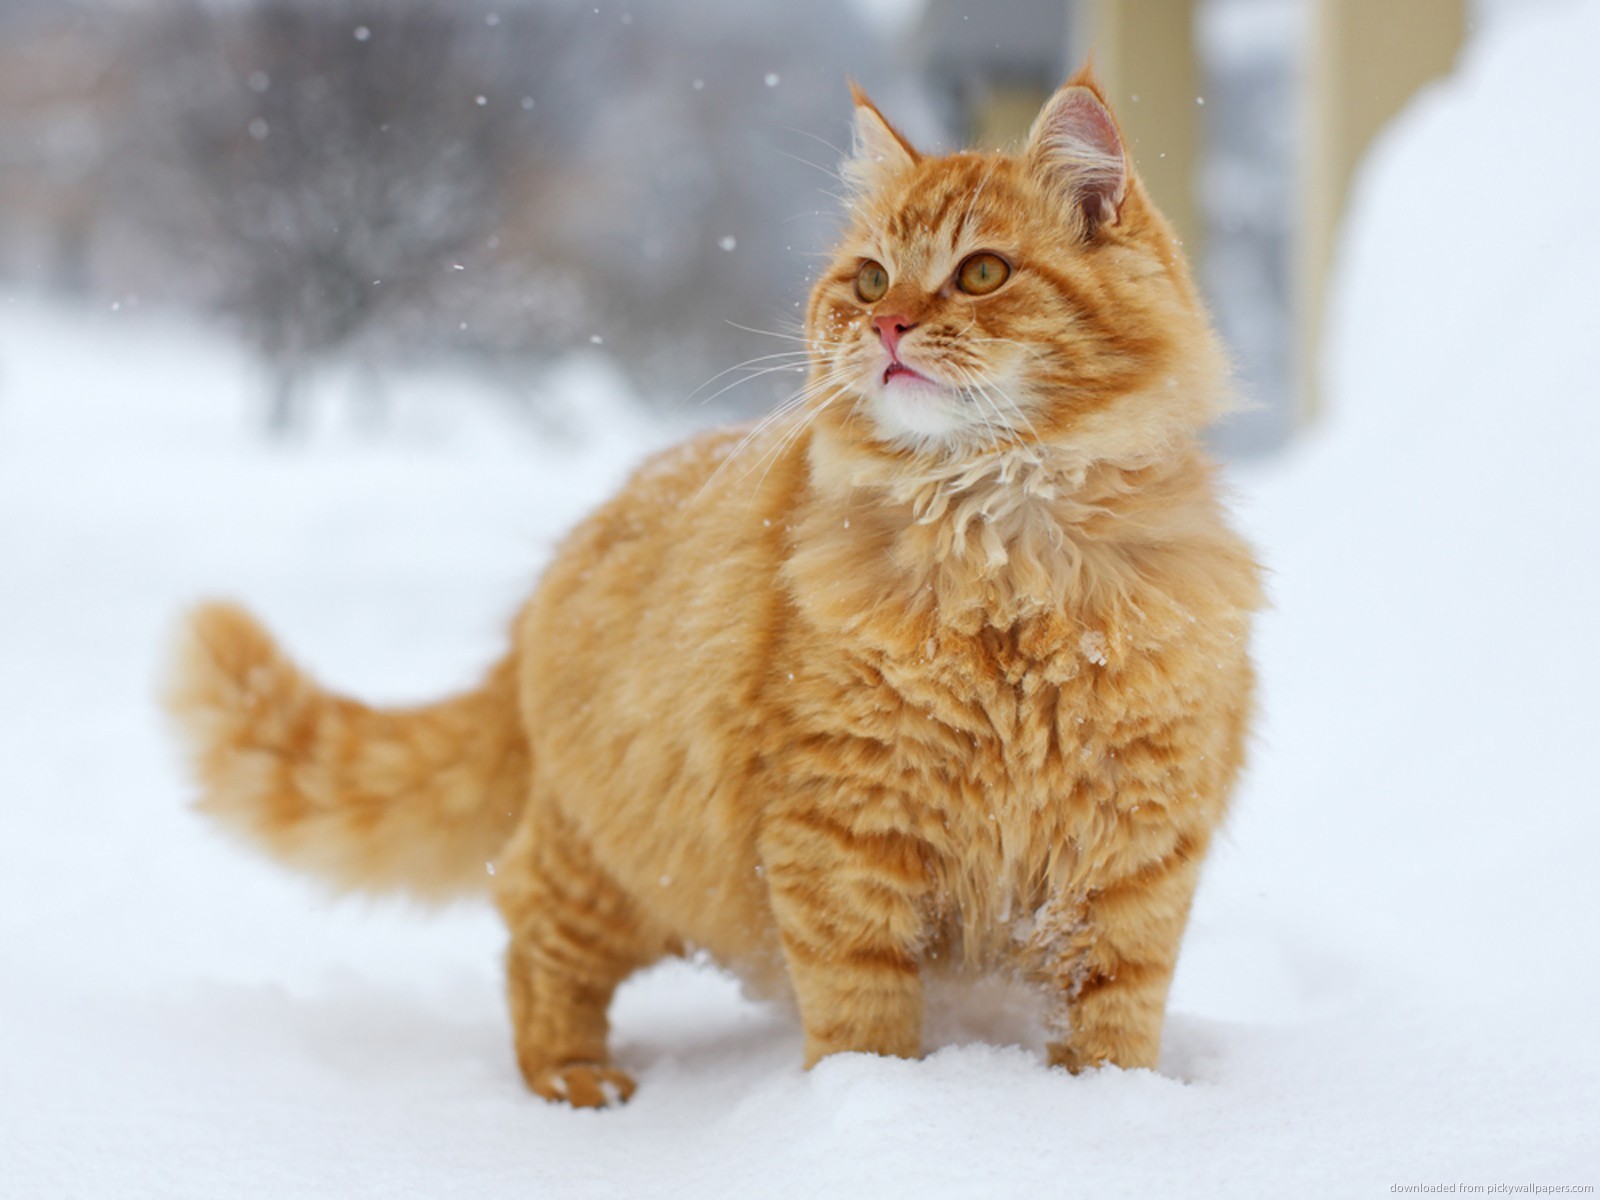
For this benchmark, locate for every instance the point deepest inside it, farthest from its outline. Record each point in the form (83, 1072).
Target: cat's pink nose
(890, 329)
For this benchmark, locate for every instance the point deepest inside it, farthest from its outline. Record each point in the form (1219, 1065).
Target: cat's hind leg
(574, 937)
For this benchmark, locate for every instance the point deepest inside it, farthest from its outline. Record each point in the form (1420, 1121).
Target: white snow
(1390, 976)
(1093, 645)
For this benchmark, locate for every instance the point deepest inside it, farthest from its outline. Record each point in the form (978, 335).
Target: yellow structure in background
(1364, 59)
(1005, 113)
(1367, 58)
(1144, 54)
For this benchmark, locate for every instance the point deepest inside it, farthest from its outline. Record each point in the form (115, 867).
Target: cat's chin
(911, 409)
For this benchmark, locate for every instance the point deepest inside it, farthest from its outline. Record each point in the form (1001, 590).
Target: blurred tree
(394, 177)
(57, 65)
(331, 164)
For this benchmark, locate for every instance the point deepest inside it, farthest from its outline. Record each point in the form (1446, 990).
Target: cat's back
(677, 516)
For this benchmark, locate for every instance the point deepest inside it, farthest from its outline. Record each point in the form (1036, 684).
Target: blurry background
(364, 186)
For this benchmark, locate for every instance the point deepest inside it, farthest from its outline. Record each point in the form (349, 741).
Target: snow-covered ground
(1391, 973)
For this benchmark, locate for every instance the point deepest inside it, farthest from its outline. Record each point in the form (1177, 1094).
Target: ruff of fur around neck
(995, 540)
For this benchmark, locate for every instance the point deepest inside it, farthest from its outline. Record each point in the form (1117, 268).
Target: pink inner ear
(1077, 113)
(1076, 141)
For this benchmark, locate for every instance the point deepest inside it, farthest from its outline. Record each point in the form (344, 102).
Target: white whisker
(789, 405)
(780, 368)
(828, 171)
(799, 355)
(791, 437)
(1016, 408)
(975, 392)
(804, 341)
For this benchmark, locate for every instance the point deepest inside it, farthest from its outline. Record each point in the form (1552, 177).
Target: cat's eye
(872, 281)
(981, 273)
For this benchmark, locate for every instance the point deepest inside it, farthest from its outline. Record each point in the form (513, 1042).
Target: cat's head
(986, 299)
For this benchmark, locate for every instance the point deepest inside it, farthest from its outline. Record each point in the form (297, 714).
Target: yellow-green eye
(872, 281)
(982, 273)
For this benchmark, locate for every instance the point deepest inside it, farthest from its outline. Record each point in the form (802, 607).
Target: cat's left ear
(879, 153)
(1076, 151)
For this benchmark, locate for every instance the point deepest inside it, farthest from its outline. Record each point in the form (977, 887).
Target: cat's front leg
(1107, 958)
(848, 903)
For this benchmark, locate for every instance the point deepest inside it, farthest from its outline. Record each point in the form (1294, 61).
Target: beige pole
(1365, 60)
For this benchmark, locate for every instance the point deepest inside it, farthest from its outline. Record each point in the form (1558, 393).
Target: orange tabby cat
(944, 669)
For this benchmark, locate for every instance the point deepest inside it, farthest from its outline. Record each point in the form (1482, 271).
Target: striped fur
(839, 707)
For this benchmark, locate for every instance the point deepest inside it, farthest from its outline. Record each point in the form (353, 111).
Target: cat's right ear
(878, 153)
(1075, 149)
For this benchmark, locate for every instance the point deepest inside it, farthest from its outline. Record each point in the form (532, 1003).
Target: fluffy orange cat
(945, 668)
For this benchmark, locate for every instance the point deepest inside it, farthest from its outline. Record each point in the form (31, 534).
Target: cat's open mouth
(899, 368)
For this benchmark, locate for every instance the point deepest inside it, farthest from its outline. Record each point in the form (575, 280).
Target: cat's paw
(1130, 1057)
(583, 1085)
(1075, 1061)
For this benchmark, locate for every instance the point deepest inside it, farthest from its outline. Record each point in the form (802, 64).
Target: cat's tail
(417, 799)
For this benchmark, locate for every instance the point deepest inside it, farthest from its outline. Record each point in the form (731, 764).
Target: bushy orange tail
(417, 799)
